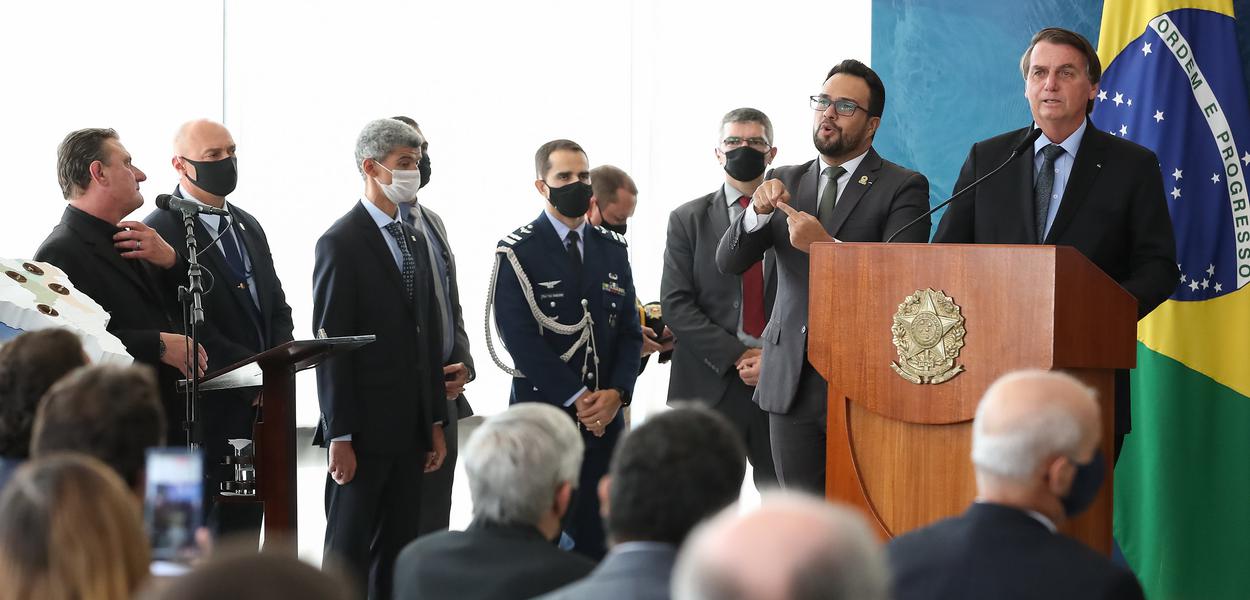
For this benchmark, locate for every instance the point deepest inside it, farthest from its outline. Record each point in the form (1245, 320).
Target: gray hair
(747, 115)
(841, 560)
(1051, 429)
(517, 459)
(381, 137)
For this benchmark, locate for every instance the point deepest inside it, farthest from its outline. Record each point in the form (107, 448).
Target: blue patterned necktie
(1045, 188)
(409, 267)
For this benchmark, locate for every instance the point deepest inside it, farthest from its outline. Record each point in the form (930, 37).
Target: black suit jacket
(1112, 211)
(993, 551)
(702, 305)
(460, 347)
(386, 394)
(129, 290)
(486, 562)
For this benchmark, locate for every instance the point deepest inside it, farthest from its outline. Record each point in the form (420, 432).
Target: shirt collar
(732, 194)
(94, 224)
(1070, 145)
(213, 221)
(849, 165)
(562, 230)
(382, 219)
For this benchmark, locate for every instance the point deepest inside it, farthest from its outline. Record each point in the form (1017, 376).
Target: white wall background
(641, 85)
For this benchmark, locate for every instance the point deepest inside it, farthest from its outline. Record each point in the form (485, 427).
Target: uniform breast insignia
(928, 333)
(550, 284)
(613, 276)
(611, 287)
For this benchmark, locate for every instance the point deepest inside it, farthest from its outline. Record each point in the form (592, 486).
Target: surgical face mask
(218, 177)
(620, 229)
(1085, 485)
(403, 186)
(745, 163)
(571, 199)
(424, 168)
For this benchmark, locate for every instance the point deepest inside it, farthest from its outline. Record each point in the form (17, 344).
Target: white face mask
(403, 186)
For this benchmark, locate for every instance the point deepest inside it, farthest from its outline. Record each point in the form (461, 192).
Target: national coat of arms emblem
(928, 334)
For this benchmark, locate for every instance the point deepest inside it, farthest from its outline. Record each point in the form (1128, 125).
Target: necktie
(824, 212)
(234, 258)
(575, 255)
(1044, 188)
(409, 267)
(752, 292)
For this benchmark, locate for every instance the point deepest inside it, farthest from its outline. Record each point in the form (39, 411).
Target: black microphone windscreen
(1028, 141)
(162, 201)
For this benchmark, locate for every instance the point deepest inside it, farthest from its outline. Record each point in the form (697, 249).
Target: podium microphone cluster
(1024, 144)
(171, 202)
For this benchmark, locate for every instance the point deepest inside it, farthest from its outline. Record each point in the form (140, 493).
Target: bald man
(245, 309)
(792, 547)
(1035, 443)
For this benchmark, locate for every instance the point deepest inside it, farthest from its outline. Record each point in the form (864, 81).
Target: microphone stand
(192, 303)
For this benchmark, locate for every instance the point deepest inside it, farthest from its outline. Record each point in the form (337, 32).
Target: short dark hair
(1065, 37)
(29, 364)
(671, 472)
(112, 413)
(606, 180)
(542, 158)
(748, 115)
(876, 89)
(74, 157)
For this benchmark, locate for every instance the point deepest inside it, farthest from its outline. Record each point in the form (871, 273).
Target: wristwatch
(625, 396)
(161, 342)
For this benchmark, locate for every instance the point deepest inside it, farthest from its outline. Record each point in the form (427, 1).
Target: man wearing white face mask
(382, 406)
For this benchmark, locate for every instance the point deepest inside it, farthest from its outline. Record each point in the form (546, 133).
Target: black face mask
(571, 199)
(216, 177)
(745, 163)
(1085, 485)
(620, 229)
(424, 167)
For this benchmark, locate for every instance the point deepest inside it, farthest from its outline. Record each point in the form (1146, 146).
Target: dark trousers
(584, 523)
(752, 424)
(798, 437)
(436, 487)
(226, 415)
(372, 517)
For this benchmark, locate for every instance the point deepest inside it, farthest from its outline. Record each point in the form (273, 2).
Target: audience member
(522, 467)
(108, 412)
(794, 547)
(674, 470)
(29, 365)
(1035, 445)
(242, 574)
(70, 531)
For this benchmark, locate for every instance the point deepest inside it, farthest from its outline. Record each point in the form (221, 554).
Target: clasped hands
(595, 410)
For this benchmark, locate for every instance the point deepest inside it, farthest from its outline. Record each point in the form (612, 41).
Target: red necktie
(753, 319)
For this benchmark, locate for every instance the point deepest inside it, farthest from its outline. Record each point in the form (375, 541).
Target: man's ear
(772, 153)
(564, 495)
(1059, 474)
(605, 488)
(541, 186)
(96, 169)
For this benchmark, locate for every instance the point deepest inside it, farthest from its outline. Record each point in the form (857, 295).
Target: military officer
(564, 299)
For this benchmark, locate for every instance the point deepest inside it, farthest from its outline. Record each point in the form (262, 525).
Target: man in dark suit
(564, 294)
(720, 317)
(522, 466)
(122, 265)
(245, 306)
(383, 405)
(673, 471)
(1035, 445)
(457, 362)
(1083, 188)
(849, 193)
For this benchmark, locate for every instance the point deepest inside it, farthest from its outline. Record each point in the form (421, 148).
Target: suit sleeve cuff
(342, 438)
(574, 397)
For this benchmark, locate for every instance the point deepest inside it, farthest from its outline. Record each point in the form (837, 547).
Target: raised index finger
(786, 208)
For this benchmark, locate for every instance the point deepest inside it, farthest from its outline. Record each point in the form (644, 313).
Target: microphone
(1024, 144)
(168, 202)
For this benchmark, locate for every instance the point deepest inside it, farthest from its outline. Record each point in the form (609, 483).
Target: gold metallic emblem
(928, 334)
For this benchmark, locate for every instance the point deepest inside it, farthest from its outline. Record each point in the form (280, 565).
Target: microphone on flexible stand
(170, 202)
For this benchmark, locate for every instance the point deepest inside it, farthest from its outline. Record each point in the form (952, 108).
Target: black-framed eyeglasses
(842, 106)
(757, 143)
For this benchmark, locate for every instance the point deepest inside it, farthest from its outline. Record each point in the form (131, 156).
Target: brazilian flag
(1173, 83)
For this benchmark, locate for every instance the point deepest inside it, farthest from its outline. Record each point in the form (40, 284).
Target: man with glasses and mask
(847, 193)
(720, 317)
(383, 405)
(564, 297)
(245, 307)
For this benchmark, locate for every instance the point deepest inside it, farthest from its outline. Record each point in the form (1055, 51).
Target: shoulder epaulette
(518, 235)
(611, 235)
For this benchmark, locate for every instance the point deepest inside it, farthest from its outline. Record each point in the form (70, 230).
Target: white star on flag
(1215, 178)
(1204, 284)
(1176, 174)
(1123, 129)
(1145, 49)
(1176, 192)
(1193, 285)
(1129, 102)
(1218, 288)
(1158, 116)
(1119, 99)
(1211, 270)
(1183, 278)
(1245, 158)
(1102, 95)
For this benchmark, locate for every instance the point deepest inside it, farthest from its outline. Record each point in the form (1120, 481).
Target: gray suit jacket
(702, 305)
(636, 574)
(888, 197)
(460, 351)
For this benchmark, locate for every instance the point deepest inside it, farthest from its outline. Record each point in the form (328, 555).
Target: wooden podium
(900, 450)
(273, 435)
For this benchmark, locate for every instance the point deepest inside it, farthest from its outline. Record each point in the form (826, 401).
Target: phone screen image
(173, 500)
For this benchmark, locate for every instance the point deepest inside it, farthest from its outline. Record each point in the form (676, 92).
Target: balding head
(792, 547)
(208, 146)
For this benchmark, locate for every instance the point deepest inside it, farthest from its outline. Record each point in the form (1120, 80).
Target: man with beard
(720, 317)
(848, 193)
(565, 311)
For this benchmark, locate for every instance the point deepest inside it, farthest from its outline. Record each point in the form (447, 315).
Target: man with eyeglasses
(720, 317)
(848, 193)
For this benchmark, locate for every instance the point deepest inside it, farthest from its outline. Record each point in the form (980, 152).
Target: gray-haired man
(382, 406)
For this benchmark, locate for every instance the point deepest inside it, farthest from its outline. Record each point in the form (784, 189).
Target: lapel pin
(242, 226)
(412, 237)
(863, 180)
(612, 276)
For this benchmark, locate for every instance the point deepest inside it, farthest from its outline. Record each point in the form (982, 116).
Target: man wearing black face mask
(1035, 448)
(245, 308)
(564, 294)
(719, 317)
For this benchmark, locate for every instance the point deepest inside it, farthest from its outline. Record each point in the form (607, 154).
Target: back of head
(516, 460)
(794, 547)
(671, 472)
(607, 180)
(109, 412)
(244, 575)
(29, 365)
(70, 530)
